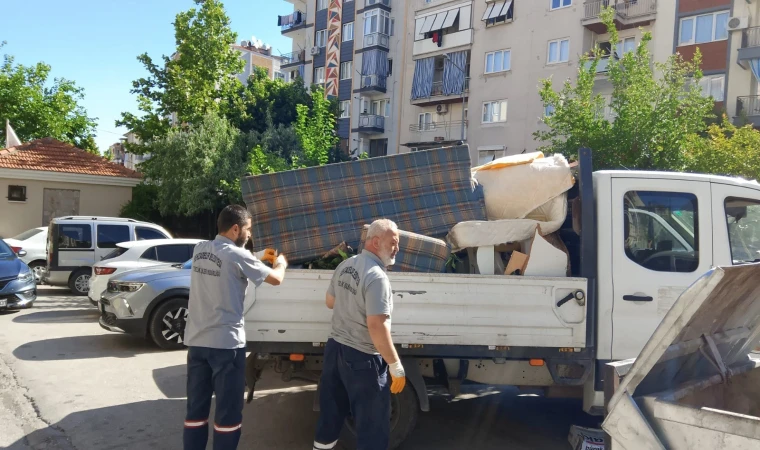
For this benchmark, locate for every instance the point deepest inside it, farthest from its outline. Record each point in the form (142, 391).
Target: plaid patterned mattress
(417, 253)
(306, 212)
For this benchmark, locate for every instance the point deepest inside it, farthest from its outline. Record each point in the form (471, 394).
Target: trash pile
(498, 218)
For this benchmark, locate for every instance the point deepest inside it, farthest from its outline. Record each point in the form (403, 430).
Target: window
(390, 67)
(499, 13)
(377, 21)
(74, 236)
(118, 251)
(425, 121)
(713, 86)
(661, 230)
(147, 234)
(498, 61)
(149, 254)
(175, 253)
(348, 32)
(345, 109)
(16, 193)
(378, 147)
(704, 28)
(549, 110)
(743, 221)
(559, 51)
(321, 38)
(28, 234)
(486, 156)
(110, 235)
(627, 44)
(556, 4)
(495, 111)
(381, 107)
(319, 75)
(322, 4)
(345, 70)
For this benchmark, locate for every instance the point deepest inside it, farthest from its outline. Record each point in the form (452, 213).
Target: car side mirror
(21, 253)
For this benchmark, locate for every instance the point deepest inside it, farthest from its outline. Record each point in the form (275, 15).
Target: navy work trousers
(353, 384)
(221, 372)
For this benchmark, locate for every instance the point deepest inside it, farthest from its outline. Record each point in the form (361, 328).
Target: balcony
(381, 40)
(437, 94)
(749, 107)
(369, 3)
(293, 59)
(750, 48)
(292, 22)
(370, 124)
(628, 14)
(373, 83)
(601, 66)
(438, 132)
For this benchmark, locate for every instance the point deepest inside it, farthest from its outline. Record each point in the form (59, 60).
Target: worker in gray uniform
(359, 353)
(215, 331)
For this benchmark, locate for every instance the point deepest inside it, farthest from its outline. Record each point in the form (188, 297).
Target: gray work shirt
(218, 282)
(361, 288)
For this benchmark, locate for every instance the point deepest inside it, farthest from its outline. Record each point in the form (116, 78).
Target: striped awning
(439, 21)
(497, 9)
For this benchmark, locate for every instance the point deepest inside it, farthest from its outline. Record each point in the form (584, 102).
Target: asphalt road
(67, 384)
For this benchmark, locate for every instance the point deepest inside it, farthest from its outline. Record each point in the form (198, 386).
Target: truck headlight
(26, 276)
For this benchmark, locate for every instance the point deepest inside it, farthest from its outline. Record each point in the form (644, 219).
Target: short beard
(240, 241)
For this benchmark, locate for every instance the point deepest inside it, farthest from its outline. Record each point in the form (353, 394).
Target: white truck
(636, 240)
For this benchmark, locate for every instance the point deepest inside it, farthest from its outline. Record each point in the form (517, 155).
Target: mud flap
(569, 372)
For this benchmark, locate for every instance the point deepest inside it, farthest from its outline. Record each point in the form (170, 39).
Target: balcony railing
(372, 39)
(373, 81)
(751, 37)
(601, 67)
(453, 125)
(626, 9)
(377, 2)
(295, 57)
(293, 20)
(437, 90)
(748, 105)
(371, 121)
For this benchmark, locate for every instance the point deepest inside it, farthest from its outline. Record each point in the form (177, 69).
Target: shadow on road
(84, 347)
(172, 380)
(9, 312)
(60, 316)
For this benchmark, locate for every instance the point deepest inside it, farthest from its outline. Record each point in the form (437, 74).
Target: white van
(76, 243)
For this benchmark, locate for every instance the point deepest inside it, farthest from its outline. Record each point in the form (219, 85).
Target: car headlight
(115, 286)
(26, 276)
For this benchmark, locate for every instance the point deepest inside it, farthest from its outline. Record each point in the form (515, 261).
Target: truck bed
(431, 309)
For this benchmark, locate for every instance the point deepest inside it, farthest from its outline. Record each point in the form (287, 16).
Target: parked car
(76, 243)
(137, 255)
(33, 243)
(17, 286)
(151, 303)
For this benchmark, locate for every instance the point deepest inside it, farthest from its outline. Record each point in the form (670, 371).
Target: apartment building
(257, 54)
(350, 47)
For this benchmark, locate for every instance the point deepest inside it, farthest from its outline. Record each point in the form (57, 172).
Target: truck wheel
(79, 282)
(167, 325)
(404, 411)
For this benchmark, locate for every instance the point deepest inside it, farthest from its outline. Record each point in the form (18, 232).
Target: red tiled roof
(52, 155)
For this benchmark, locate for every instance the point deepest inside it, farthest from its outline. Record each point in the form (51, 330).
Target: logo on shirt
(202, 271)
(209, 256)
(354, 274)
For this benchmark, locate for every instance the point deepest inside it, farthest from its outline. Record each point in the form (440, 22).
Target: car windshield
(27, 234)
(5, 251)
(188, 264)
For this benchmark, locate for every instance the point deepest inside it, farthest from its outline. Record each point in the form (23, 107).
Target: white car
(33, 242)
(138, 255)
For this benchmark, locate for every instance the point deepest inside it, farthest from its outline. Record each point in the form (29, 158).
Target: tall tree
(38, 109)
(727, 150)
(191, 83)
(315, 128)
(655, 107)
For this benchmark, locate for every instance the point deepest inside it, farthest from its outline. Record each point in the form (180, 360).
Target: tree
(727, 150)
(198, 167)
(654, 109)
(191, 83)
(315, 128)
(37, 109)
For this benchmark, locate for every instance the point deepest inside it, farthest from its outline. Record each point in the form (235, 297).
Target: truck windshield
(743, 221)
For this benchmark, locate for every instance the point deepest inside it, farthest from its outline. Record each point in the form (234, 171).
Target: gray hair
(380, 227)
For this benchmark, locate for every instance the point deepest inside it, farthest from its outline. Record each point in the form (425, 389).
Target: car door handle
(637, 298)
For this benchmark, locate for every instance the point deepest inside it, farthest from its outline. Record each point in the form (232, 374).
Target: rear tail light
(16, 249)
(104, 270)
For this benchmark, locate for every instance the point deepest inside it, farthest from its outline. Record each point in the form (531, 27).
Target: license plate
(3, 302)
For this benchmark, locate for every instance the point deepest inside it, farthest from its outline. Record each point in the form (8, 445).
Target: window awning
(450, 18)
(428, 24)
(497, 9)
(439, 21)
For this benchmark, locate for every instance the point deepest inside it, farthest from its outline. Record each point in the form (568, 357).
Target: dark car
(17, 286)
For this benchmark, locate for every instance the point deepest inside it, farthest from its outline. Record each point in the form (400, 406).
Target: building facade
(255, 53)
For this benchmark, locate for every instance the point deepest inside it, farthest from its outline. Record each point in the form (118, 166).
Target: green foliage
(38, 109)
(654, 108)
(190, 83)
(315, 128)
(143, 204)
(727, 150)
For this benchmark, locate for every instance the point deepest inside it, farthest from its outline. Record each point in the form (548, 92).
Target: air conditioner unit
(315, 51)
(738, 23)
(442, 108)
(368, 82)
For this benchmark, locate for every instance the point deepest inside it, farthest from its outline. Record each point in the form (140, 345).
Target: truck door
(662, 242)
(736, 224)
